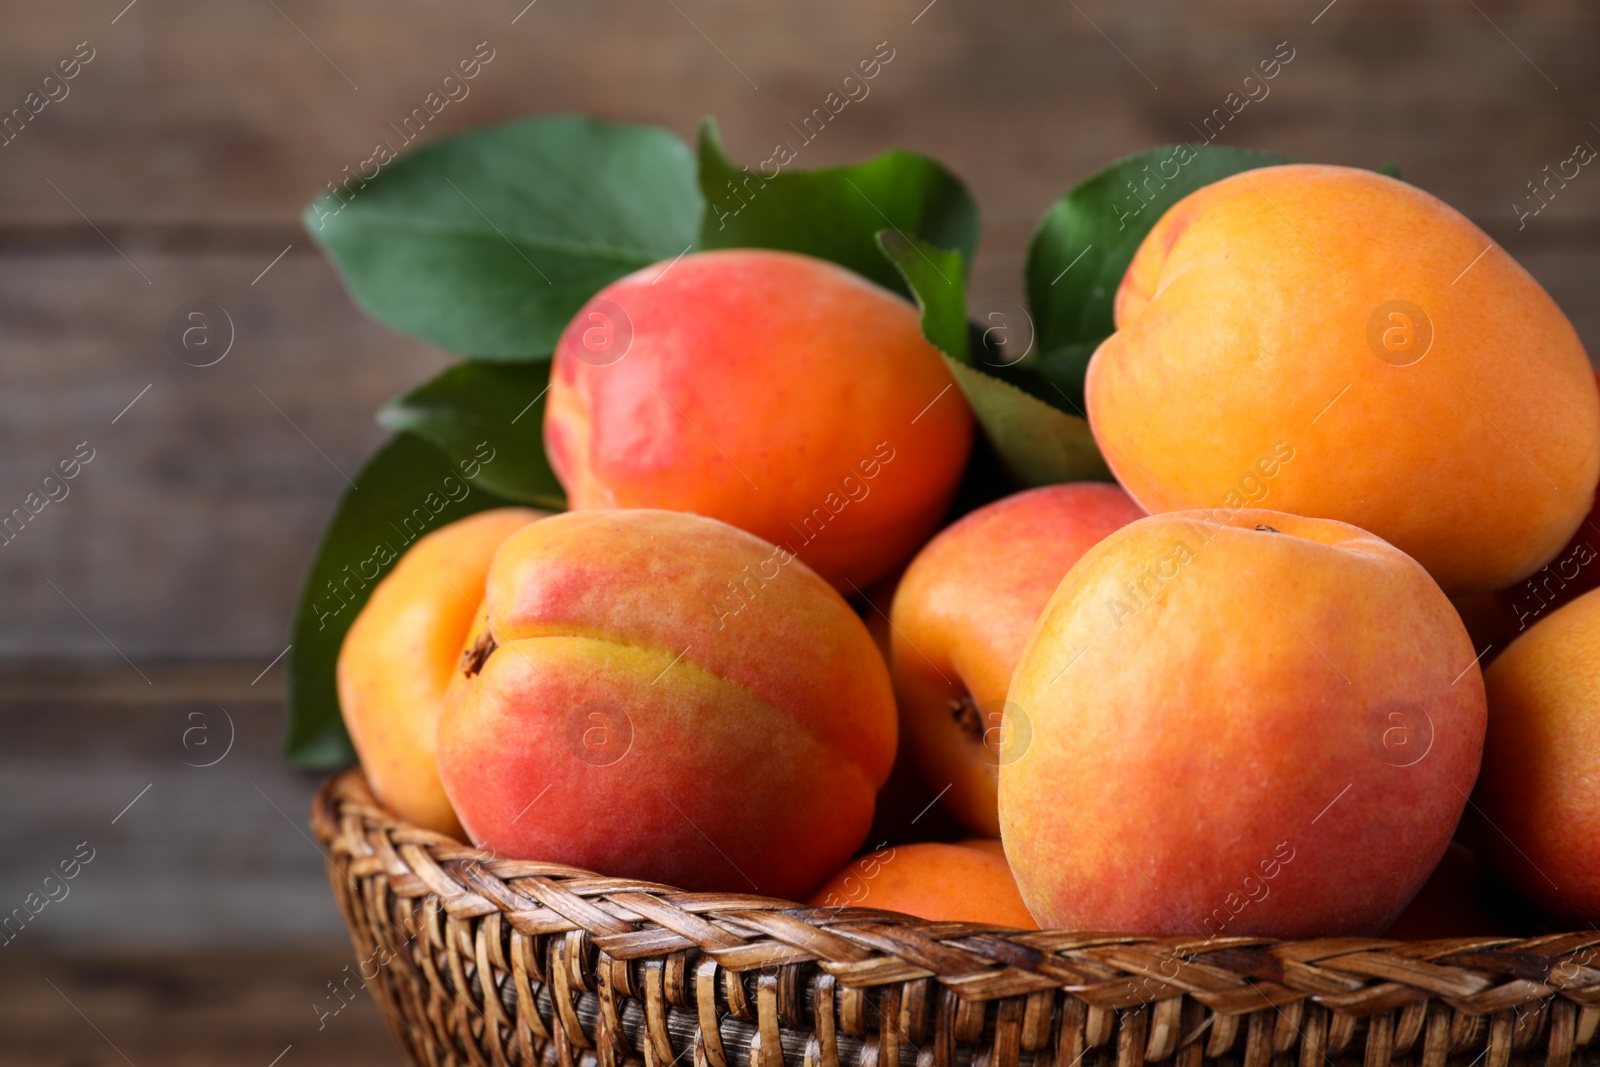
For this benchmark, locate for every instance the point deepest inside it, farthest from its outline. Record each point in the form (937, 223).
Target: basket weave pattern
(508, 962)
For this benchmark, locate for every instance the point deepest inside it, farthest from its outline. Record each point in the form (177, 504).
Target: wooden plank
(186, 842)
(1463, 95)
(186, 534)
(206, 1009)
(236, 112)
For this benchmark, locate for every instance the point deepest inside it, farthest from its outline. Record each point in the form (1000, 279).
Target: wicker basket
(589, 971)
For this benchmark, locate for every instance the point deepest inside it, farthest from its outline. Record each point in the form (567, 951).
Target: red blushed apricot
(962, 615)
(401, 651)
(782, 394)
(1368, 327)
(1243, 723)
(615, 709)
(968, 881)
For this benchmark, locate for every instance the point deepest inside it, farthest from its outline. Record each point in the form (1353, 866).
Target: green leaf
(1036, 444)
(1084, 244)
(498, 403)
(834, 213)
(938, 282)
(488, 242)
(406, 489)
(1390, 167)
(1033, 442)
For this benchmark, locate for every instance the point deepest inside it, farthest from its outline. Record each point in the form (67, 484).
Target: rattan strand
(590, 971)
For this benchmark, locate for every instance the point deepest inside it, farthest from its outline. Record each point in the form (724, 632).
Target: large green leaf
(834, 213)
(1034, 443)
(407, 488)
(1084, 244)
(499, 403)
(488, 242)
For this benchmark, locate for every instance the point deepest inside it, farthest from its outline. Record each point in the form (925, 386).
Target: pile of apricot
(1231, 694)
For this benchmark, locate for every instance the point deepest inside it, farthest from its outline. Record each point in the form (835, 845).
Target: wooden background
(142, 612)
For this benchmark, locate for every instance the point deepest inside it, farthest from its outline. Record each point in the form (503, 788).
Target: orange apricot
(1426, 387)
(1247, 723)
(401, 651)
(1537, 807)
(968, 881)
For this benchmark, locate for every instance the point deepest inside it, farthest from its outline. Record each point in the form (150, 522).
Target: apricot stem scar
(473, 659)
(964, 713)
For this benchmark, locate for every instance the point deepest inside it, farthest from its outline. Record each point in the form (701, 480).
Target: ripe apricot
(968, 881)
(1246, 723)
(780, 393)
(963, 613)
(1429, 389)
(1537, 807)
(617, 710)
(401, 651)
(1496, 619)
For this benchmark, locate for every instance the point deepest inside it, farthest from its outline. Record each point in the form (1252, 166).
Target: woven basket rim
(463, 866)
(588, 967)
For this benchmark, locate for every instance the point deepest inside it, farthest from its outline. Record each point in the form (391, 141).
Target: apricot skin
(1244, 723)
(400, 653)
(1252, 314)
(966, 881)
(962, 615)
(779, 393)
(615, 715)
(1538, 802)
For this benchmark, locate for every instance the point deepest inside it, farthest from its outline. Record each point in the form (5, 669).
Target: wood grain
(194, 1009)
(185, 536)
(176, 169)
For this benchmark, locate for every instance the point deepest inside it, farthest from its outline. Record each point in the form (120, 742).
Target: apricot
(1574, 571)
(1429, 390)
(963, 613)
(968, 881)
(1241, 722)
(1537, 807)
(782, 394)
(617, 709)
(1498, 618)
(400, 653)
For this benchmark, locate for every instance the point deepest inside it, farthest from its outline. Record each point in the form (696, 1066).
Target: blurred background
(147, 611)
